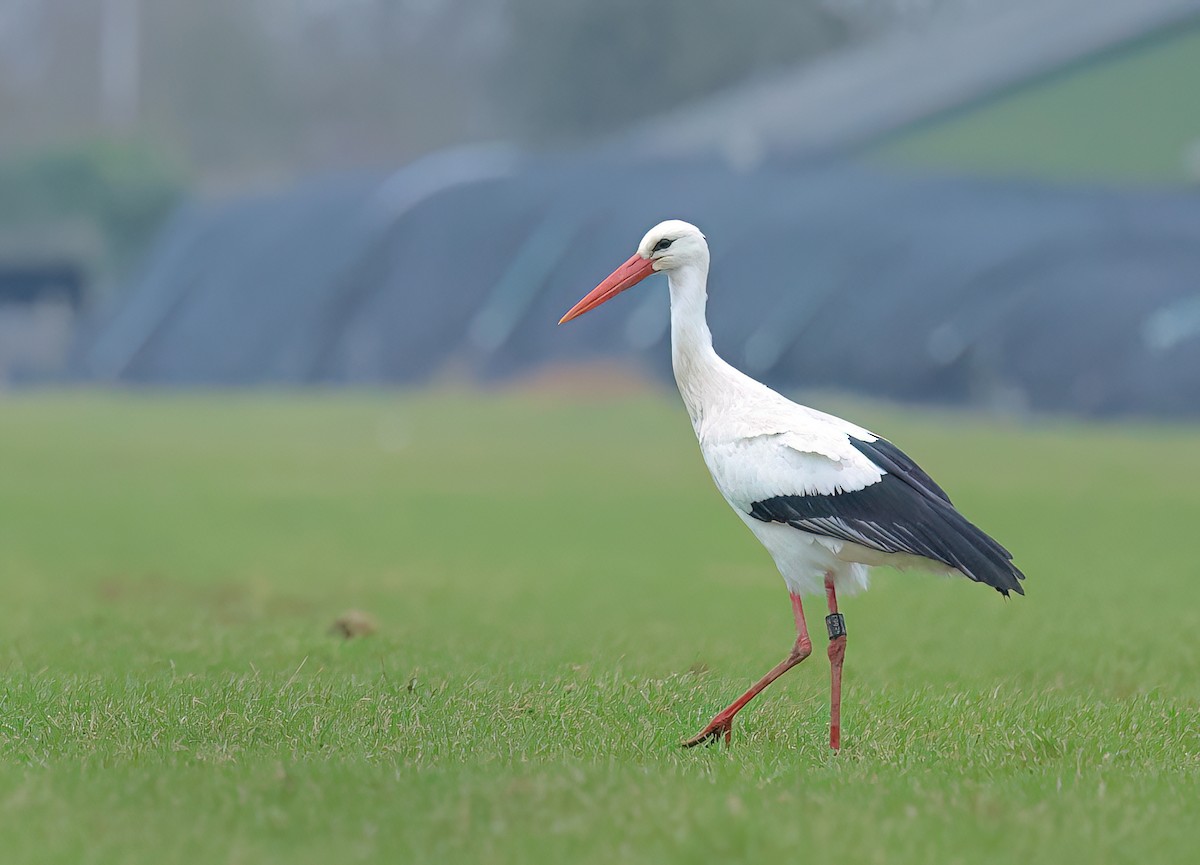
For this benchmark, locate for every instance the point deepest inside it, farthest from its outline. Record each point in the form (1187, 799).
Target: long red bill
(626, 276)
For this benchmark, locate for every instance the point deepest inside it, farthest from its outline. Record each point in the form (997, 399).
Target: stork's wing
(869, 492)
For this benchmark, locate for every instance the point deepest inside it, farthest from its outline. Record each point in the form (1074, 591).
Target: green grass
(1130, 116)
(561, 597)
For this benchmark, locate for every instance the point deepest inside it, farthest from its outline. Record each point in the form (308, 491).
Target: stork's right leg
(837, 655)
(721, 727)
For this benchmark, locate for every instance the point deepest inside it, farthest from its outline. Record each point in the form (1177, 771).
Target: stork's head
(668, 246)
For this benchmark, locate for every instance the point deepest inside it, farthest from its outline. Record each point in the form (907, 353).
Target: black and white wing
(840, 481)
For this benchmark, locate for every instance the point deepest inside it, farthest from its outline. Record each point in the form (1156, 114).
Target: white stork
(827, 498)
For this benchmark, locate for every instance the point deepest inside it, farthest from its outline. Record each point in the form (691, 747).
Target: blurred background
(937, 201)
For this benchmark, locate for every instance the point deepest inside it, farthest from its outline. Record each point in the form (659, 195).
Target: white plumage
(764, 448)
(827, 498)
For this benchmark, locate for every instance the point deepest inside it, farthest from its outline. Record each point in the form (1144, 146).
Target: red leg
(721, 727)
(837, 652)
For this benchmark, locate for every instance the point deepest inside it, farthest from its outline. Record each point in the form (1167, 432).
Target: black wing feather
(905, 512)
(896, 462)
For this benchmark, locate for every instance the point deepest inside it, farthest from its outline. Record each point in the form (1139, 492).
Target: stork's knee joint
(801, 650)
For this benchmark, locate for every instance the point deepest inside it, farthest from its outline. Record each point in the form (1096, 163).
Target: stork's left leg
(837, 652)
(721, 727)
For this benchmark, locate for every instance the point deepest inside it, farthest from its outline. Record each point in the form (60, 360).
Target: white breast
(759, 445)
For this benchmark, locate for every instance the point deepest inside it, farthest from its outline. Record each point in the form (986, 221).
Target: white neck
(690, 336)
(698, 369)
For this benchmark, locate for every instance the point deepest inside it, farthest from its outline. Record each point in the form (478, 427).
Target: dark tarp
(930, 288)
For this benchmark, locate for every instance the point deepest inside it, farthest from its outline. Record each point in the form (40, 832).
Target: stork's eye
(662, 244)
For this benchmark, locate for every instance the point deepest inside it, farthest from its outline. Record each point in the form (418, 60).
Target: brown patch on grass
(225, 601)
(606, 379)
(353, 623)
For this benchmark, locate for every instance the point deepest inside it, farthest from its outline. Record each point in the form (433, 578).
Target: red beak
(626, 276)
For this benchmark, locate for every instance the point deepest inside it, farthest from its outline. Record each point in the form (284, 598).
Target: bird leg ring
(836, 625)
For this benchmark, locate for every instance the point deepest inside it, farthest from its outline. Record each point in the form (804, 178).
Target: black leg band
(836, 623)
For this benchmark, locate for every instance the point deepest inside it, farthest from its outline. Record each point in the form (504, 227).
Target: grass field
(561, 597)
(1127, 116)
